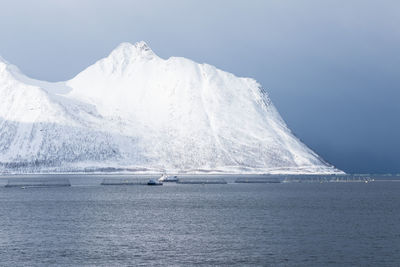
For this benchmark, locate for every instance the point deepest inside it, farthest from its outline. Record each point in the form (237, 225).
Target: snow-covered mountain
(138, 112)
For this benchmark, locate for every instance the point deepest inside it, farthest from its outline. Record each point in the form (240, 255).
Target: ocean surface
(274, 224)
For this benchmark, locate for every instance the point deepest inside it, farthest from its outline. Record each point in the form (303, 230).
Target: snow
(136, 111)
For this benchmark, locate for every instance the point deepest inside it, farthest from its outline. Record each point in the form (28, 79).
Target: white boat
(166, 178)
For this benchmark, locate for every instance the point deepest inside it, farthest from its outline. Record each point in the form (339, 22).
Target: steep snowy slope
(133, 110)
(40, 130)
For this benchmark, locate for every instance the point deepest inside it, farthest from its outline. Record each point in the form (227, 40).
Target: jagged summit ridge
(128, 52)
(140, 46)
(134, 110)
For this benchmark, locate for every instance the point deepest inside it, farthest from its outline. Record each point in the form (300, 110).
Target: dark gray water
(287, 224)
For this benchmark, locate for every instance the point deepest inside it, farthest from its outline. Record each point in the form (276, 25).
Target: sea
(235, 224)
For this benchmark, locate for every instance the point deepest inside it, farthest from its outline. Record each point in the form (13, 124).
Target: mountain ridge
(133, 110)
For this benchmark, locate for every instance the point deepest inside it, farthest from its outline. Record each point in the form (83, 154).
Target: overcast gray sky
(332, 68)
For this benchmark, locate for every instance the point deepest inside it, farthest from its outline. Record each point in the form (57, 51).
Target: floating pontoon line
(258, 180)
(327, 178)
(201, 181)
(129, 181)
(37, 182)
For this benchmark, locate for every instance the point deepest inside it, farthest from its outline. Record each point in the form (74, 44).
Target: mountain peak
(142, 45)
(128, 50)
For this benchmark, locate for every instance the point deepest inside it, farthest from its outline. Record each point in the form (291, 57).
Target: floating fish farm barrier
(125, 181)
(328, 178)
(260, 180)
(38, 182)
(201, 181)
